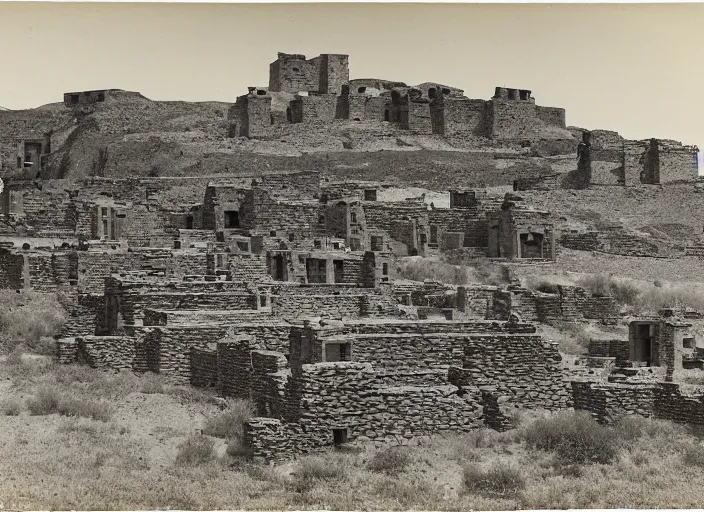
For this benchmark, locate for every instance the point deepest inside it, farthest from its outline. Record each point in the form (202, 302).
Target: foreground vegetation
(143, 443)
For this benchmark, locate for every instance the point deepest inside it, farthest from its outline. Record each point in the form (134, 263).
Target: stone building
(517, 232)
(606, 158)
(668, 341)
(325, 74)
(250, 116)
(337, 384)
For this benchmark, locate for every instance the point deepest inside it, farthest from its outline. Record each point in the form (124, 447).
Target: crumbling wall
(11, 270)
(551, 116)
(522, 367)
(106, 352)
(346, 396)
(314, 108)
(512, 119)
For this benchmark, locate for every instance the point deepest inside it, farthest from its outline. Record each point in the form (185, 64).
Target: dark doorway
(335, 352)
(279, 268)
(643, 344)
(339, 271)
(316, 270)
(189, 222)
(433, 234)
(339, 436)
(232, 219)
(531, 245)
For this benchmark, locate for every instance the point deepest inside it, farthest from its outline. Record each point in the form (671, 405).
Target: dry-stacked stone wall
(524, 368)
(662, 400)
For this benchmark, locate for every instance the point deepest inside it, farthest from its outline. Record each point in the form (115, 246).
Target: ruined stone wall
(204, 367)
(316, 107)
(608, 401)
(51, 271)
(292, 73)
(459, 116)
(85, 313)
(250, 267)
(299, 218)
(618, 242)
(618, 349)
(523, 368)
(106, 352)
(346, 395)
(664, 400)
(469, 221)
(512, 119)
(299, 185)
(11, 270)
(476, 301)
(327, 301)
(677, 163)
(634, 154)
(552, 116)
(416, 118)
(172, 347)
(134, 297)
(334, 72)
(680, 403)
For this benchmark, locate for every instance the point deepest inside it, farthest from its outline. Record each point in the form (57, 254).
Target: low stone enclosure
(370, 380)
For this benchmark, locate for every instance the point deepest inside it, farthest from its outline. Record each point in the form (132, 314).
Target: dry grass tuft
(195, 451)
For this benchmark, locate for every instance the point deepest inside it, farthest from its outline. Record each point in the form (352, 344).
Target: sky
(633, 68)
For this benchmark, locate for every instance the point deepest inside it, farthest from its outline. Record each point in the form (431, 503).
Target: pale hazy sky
(632, 68)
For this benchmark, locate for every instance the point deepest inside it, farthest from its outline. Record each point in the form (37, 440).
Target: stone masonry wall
(523, 367)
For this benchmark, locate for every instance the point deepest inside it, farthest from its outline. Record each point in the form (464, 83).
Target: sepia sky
(634, 68)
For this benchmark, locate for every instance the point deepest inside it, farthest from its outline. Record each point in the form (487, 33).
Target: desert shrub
(15, 356)
(44, 402)
(84, 408)
(546, 287)
(496, 480)
(195, 450)
(151, 384)
(313, 470)
(11, 407)
(489, 273)
(27, 318)
(422, 269)
(630, 427)
(229, 424)
(693, 455)
(237, 449)
(574, 436)
(391, 460)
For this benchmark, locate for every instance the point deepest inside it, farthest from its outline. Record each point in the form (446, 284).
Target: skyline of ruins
(172, 36)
